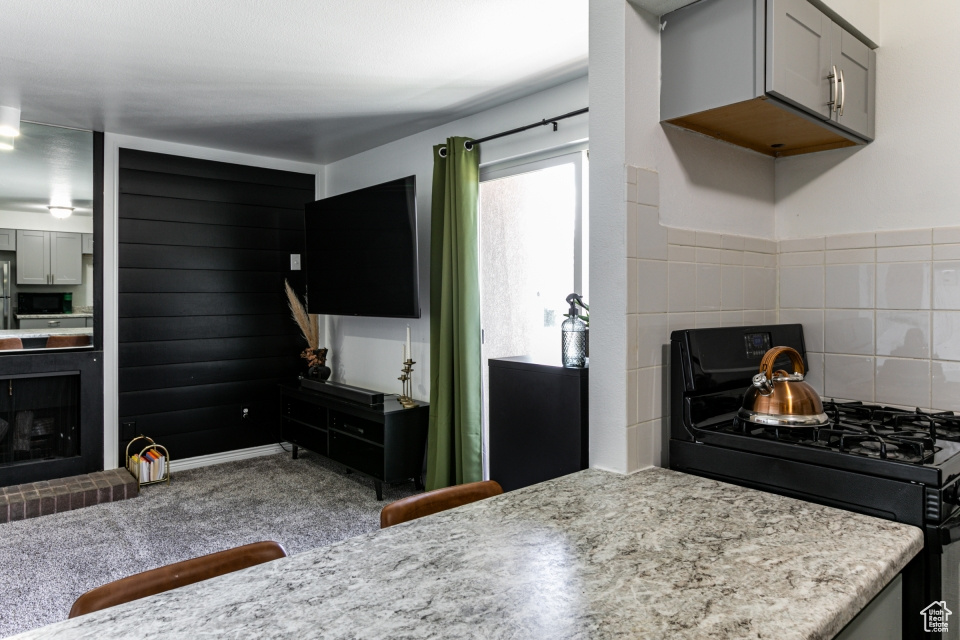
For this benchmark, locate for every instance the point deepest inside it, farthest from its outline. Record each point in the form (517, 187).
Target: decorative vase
(317, 361)
(319, 372)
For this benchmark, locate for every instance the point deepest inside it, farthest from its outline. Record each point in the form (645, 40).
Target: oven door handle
(950, 530)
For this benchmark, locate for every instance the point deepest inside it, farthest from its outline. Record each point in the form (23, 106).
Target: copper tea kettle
(782, 399)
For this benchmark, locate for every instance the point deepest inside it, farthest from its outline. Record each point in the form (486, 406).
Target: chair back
(10, 343)
(176, 575)
(55, 342)
(426, 504)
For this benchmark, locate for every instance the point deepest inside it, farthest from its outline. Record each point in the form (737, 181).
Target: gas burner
(888, 420)
(857, 429)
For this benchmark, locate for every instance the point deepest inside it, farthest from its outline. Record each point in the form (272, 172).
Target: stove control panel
(757, 344)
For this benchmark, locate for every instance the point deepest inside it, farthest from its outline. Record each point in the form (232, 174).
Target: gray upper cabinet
(798, 55)
(87, 243)
(781, 77)
(49, 257)
(857, 83)
(66, 260)
(33, 257)
(8, 239)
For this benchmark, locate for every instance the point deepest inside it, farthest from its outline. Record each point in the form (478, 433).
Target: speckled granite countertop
(44, 333)
(658, 554)
(54, 316)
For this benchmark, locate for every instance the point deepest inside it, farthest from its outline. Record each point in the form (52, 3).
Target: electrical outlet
(295, 262)
(244, 412)
(129, 431)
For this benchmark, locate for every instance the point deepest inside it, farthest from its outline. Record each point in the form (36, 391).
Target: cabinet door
(33, 257)
(33, 323)
(858, 65)
(87, 243)
(61, 323)
(799, 55)
(66, 259)
(8, 239)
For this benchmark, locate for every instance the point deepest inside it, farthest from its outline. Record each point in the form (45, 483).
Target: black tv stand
(384, 441)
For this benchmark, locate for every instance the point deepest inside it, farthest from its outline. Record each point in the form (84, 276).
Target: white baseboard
(226, 456)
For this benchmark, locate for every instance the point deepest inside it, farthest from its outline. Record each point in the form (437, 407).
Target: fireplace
(39, 417)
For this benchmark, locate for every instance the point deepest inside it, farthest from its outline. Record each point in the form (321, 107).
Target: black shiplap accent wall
(204, 325)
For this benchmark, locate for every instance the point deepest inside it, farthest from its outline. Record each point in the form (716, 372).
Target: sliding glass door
(533, 253)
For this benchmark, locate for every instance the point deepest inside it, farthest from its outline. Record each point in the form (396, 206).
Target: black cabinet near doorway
(538, 421)
(384, 441)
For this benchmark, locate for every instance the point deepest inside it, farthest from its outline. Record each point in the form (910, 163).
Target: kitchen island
(657, 554)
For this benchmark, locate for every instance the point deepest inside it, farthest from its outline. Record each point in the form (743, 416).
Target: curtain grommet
(442, 152)
(468, 145)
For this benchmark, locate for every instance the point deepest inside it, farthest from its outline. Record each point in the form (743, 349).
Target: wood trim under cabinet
(760, 123)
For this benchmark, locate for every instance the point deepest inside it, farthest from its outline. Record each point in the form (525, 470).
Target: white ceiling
(313, 80)
(49, 166)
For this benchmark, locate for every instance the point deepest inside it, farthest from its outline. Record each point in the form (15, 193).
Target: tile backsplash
(880, 313)
(678, 279)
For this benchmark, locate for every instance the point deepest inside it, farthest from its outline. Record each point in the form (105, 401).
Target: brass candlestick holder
(407, 379)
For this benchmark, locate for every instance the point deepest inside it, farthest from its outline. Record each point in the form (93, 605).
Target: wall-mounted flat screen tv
(361, 252)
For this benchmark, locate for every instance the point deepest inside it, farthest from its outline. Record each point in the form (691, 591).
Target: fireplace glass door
(39, 417)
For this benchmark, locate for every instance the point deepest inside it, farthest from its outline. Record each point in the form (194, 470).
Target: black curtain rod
(542, 123)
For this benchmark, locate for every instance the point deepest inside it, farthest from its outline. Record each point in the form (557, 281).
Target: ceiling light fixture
(61, 212)
(9, 122)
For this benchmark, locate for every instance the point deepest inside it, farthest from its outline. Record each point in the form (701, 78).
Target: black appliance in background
(885, 462)
(538, 421)
(361, 252)
(46, 302)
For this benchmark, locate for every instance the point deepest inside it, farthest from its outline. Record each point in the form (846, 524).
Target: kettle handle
(770, 357)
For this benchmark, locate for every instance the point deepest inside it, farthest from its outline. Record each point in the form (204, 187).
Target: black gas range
(892, 463)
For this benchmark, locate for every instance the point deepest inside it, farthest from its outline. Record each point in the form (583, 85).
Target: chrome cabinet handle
(834, 89)
(53, 323)
(843, 94)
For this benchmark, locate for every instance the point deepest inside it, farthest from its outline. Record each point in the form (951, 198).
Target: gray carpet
(46, 562)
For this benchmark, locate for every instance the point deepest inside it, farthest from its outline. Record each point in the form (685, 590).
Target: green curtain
(454, 438)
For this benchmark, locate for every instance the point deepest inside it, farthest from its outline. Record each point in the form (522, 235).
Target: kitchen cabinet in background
(86, 243)
(49, 257)
(8, 239)
(777, 76)
(53, 323)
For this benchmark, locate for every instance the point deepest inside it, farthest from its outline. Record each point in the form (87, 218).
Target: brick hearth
(42, 498)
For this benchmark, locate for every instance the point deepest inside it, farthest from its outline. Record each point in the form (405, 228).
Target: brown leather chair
(56, 342)
(425, 504)
(175, 575)
(7, 344)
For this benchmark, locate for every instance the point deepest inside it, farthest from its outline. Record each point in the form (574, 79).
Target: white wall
(864, 15)
(45, 222)
(365, 352)
(608, 275)
(906, 178)
(713, 186)
(111, 166)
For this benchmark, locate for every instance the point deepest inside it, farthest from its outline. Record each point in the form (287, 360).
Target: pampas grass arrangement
(308, 322)
(310, 330)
